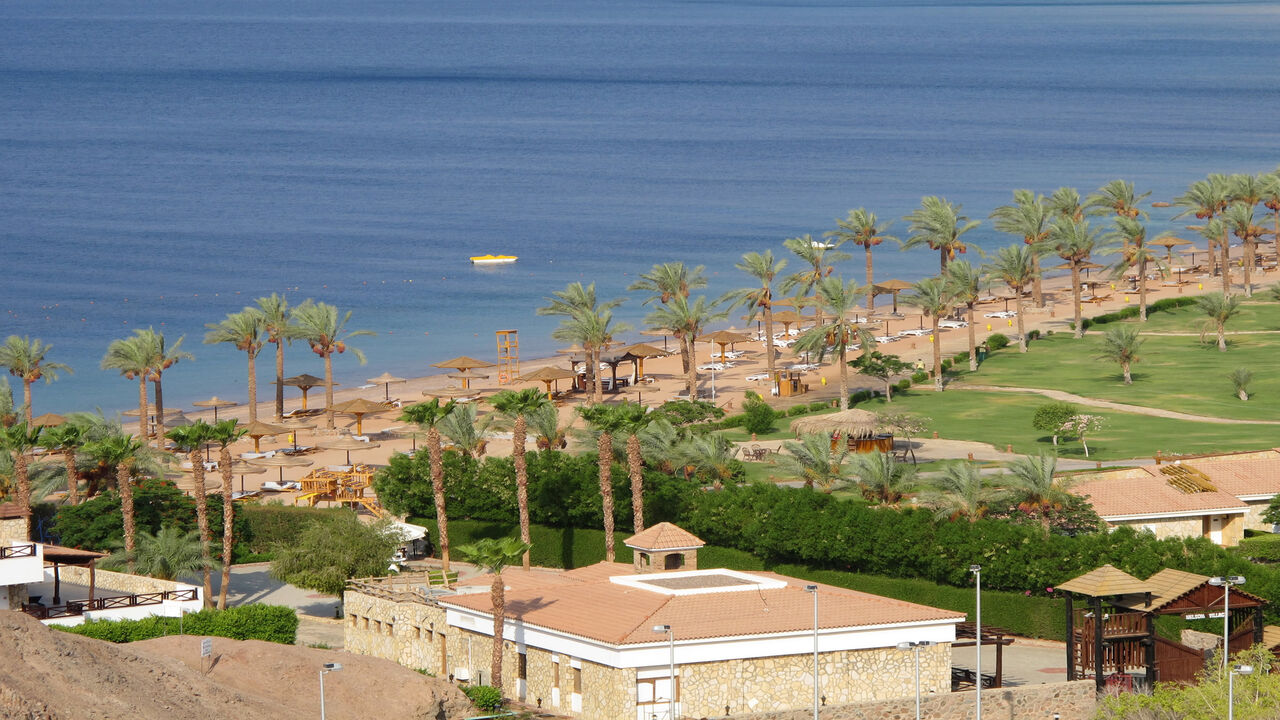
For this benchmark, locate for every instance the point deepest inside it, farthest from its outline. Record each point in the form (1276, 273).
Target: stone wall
(117, 582)
(410, 633)
(779, 683)
(1069, 700)
(1168, 527)
(13, 529)
(1253, 518)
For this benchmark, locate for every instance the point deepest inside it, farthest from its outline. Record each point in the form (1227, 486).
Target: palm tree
(548, 434)
(587, 322)
(494, 556)
(1239, 219)
(169, 554)
(131, 357)
(1249, 190)
(466, 430)
(123, 453)
(243, 330)
(1016, 267)
(759, 299)
(1065, 203)
(25, 358)
(225, 433)
(708, 455)
(1121, 345)
(1028, 218)
(670, 280)
(1036, 487)
(429, 416)
(68, 438)
(933, 297)
(1219, 308)
(161, 358)
(685, 321)
(881, 477)
(18, 440)
(605, 421)
(862, 228)
(1206, 199)
(659, 441)
(632, 419)
(1134, 253)
(191, 440)
(820, 257)
(1074, 242)
(1270, 197)
(517, 406)
(814, 460)
(1116, 197)
(837, 298)
(325, 329)
(939, 225)
(965, 284)
(8, 413)
(279, 329)
(960, 491)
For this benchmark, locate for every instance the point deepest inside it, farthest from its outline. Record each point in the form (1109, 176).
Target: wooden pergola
(967, 636)
(59, 556)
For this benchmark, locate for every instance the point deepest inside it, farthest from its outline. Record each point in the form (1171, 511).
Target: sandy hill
(50, 675)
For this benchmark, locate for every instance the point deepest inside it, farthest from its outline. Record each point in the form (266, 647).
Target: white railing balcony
(21, 563)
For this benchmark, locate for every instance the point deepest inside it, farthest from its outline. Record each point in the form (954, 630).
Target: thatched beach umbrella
(547, 374)
(789, 317)
(891, 287)
(411, 431)
(294, 425)
(463, 363)
(282, 462)
(641, 351)
(48, 420)
(453, 393)
(466, 376)
(258, 430)
(724, 338)
(242, 468)
(359, 408)
(574, 349)
(215, 402)
(1169, 242)
(348, 444)
(852, 423)
(385, 379)
(305, 382)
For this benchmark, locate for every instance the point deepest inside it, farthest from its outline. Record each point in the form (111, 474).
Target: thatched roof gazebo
(853, 424)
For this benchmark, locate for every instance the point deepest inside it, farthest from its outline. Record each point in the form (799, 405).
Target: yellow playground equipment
(342, 484)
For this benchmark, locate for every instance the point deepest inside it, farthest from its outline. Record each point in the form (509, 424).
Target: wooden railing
(115, 602)
(18, 551)
(1118, 624)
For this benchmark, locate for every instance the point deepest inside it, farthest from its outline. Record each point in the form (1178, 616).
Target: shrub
(1263, 548)
(98, 525)
(1050, 417)
(798, 410)
(760, 417)
(1034, 334)
(733, 421)
(684, 412)
(997, 341)
(860, 396)
(274, 522)
(961, 357)
(485, 697)
(903, 385)
(819, 405)
(272, 623)
(919, 378)
(946, 365)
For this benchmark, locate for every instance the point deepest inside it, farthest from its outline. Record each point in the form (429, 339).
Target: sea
(164, 162)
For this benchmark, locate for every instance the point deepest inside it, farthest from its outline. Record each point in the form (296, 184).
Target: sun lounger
(273, 486)
(255, 455)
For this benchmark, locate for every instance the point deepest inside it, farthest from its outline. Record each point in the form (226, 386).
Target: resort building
(612, 640)
(1216, 496)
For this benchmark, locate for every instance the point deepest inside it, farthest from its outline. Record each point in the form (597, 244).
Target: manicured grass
(1175, 373)
(1005, 418)
(1255, 313)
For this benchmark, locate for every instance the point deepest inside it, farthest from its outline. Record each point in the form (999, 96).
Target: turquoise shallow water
(163, 163)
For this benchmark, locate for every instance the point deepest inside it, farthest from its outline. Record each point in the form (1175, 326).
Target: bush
(1034, 334)
(997, 341)
(920, 378)
(271, 523)
(760, 417)
(903, 385)
(946, 365)
(1132, 311)
(819, 405)
(733, 421)
(860, 396)
(1262, 548)
(684, 412)
(798, 410)
(1050, 417)
(272, 623)
(485, 697)
(98, 525)
(961, 357)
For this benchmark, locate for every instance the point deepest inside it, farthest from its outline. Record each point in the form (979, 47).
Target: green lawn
(1255, 314)
(1001, 419)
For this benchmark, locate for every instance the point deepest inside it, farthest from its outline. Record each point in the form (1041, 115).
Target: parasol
(348, 444)
(359, 408)
(215, 402)
(385, 379)
(305, 382)
(852, 423)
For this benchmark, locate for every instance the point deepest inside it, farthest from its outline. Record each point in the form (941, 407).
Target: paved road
(1026, 662)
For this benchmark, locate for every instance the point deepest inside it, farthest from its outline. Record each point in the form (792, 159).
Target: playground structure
(508, 356)
(345, 485)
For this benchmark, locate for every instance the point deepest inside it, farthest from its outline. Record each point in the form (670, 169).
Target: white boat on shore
(493, 259)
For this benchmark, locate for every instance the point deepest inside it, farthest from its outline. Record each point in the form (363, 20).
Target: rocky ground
(50, 675)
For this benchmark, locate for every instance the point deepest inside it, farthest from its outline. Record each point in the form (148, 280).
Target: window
(366, 622)
(522, 667)
(577, 680)
(355, 621)
(391, 629)
(674, 561)
(555, 673)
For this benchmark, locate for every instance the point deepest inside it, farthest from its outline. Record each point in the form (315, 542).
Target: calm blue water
(164, 162)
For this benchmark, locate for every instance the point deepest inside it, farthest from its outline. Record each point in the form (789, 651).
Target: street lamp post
(977, 685)
(327, 668)
(813, 590)
(915, 647)
(1226, 582)
(671, 659)
(1231, 687)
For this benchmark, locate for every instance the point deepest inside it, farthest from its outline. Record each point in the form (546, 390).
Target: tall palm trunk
(26, 399)
(1226, 263)
(328, 389)
(1245, 266)
(1222, 335)
(202, 522)
(228, 524)
(635, 469)
(604, 446)
(124, 483)
(1037, 288)
(770, 362)
(159, 412)
(1142, 291)
(143, 408)
(522, 480)
(942, 253)
(937, 357)
(253, 387)
(1022, 331)
(497, 595)
(437, 488)
(73, 477)
(1128, 378)
(1075, 298)
(598, 379)
(692, 379)
(973, 341)
(871, 295)
(22, 479)
(280, 380)
(844, 378)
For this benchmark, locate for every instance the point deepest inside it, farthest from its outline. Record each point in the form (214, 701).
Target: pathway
(1109, 405)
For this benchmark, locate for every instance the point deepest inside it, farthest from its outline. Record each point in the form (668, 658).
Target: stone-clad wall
(13, 529)
(409, 633)
(608, 692)
(123, 583)
(1070, 700)
(1168, 527)
(777, 683)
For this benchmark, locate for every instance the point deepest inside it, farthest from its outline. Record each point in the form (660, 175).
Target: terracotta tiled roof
(1104, 581)
(1144, 491)
(610, 612)
(11, 510)
(1245, 474)
(663, 536)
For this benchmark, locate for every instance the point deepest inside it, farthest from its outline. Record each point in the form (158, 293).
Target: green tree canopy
(326, 555)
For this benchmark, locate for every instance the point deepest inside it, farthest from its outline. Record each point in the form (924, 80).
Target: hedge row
(273, 623)
(271, 523)
(1132, 311)
(1263, 548)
